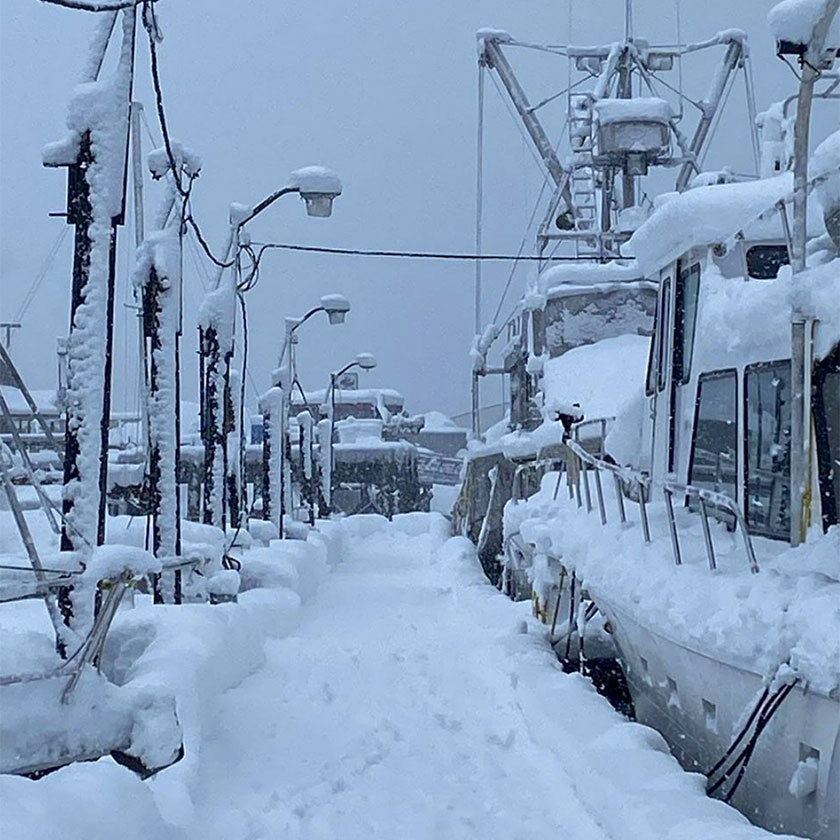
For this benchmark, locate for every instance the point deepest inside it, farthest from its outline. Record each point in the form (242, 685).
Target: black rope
(150, 25)
(734, 745)
(763, 722)
(765, 710)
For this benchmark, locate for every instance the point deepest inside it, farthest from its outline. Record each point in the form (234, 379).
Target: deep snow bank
(480, 653)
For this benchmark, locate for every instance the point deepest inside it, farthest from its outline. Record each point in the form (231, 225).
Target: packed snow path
(409, 703)
(391, 712)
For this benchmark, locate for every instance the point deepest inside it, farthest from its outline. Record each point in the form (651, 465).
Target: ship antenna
(678, 17)
(628, 19)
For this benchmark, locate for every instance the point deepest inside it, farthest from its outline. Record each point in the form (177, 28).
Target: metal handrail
(643, 485)
(90, 649)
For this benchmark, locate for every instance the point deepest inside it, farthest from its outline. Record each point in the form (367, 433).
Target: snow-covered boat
(705, 527)
(585, 290)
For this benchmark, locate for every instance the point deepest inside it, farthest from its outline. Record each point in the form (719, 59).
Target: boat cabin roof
(709, 215)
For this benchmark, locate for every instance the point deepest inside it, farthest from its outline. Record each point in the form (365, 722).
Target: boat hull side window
(714, 451)
(767, 462)
(826, 410)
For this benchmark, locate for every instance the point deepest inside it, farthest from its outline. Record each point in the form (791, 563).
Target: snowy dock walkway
(409, 704)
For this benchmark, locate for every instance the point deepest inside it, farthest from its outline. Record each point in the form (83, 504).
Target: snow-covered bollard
(223, 587)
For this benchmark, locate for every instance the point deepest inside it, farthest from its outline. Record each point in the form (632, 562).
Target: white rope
(36, 283)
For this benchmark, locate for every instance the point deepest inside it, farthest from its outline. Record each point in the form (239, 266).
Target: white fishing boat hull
(700, 703)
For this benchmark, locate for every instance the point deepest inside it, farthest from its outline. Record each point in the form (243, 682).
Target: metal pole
(476, 417)
(672, 526)
(707, 534)
(800, 437)
(479, 196)
(79, 214)
(625, 91)
(712, 100)
(329, 486)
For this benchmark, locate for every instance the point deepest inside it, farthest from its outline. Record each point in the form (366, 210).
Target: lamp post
(317, 187)
(365, 361)
(275, 407)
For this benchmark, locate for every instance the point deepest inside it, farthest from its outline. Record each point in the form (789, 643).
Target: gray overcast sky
(382, 92)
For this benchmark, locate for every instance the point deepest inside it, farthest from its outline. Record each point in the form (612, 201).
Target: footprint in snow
(450, 724)
(327, 693)
(497, 741)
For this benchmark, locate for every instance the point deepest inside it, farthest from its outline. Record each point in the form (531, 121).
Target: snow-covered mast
(95, 152)
(157, 277)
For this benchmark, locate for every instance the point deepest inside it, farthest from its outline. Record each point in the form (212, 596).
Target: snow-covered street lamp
(365, 361)
(277, 472)
(318, 187)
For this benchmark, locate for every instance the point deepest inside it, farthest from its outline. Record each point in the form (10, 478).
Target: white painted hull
(669, 684)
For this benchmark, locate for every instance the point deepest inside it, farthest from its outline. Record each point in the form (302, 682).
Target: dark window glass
(764, 261)
(714, 461)
(663, 319)
(653, 355)
(768, 448)
(827, 432)
(538, 327)
(687, 290)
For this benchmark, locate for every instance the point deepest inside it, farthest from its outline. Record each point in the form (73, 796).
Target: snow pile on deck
(706, 215)
(639, 108)
(787, 612)
(825, 164)
(602, 378)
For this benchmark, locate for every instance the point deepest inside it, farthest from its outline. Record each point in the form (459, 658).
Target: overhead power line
(413, 255)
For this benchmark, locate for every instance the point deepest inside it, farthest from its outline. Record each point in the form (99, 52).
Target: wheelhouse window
(764, 261)
(538, 328)
(827, 433)
(662, 320)
(654, 365)
(767, 395)
(714, 456)
(686, 294)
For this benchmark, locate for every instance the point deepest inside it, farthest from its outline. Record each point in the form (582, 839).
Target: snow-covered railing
(637, 486)
(89, 650)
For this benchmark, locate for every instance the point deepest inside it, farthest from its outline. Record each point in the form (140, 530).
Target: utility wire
(413, 255)
(152, 30)
(96, 7)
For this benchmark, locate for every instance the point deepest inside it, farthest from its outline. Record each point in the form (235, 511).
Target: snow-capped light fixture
(318, 187)
(336, 307)
(366, 361)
